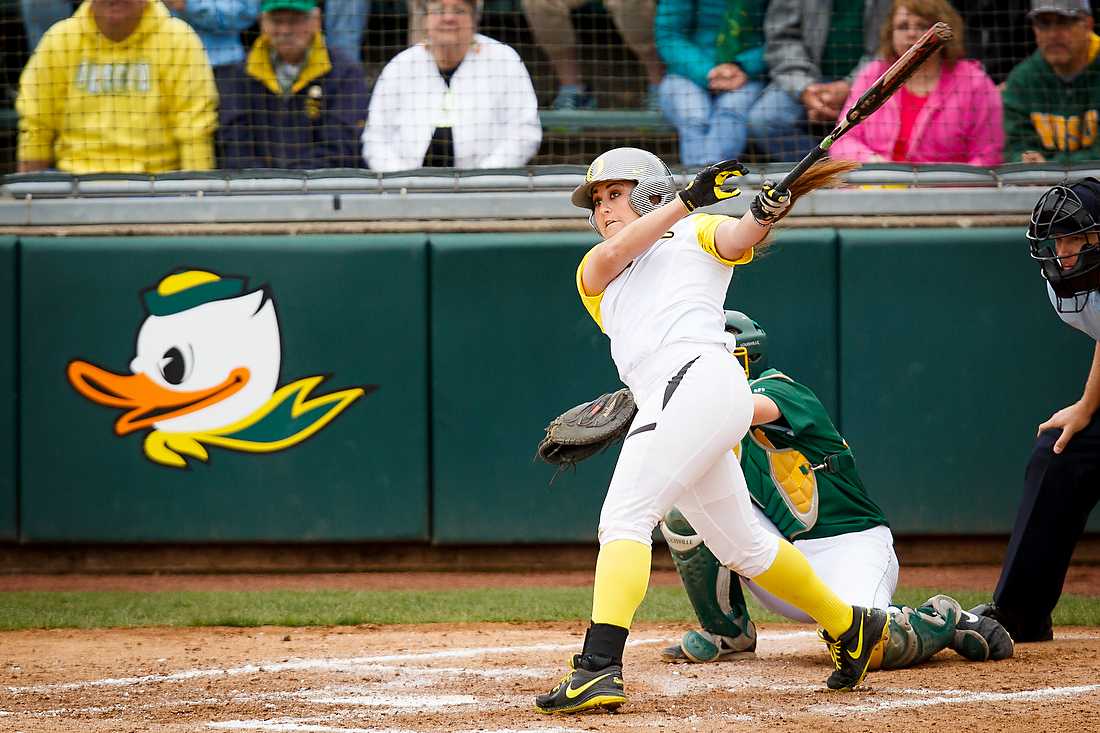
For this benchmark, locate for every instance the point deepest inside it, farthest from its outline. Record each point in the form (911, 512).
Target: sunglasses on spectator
(440, 9)
(1048, 21)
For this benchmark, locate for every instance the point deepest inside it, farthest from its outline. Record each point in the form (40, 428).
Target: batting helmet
(1061, 212)
(752, 342)
(655, 188)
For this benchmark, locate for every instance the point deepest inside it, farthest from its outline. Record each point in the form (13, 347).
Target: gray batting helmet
(655, 188)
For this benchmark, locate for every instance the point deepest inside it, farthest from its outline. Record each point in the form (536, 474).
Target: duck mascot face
(206, 372)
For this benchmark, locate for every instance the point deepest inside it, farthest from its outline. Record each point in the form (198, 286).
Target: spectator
(811, 48)
(119, 87)
(460, 99)
(39, 15)
(1051, 99)
(219, 24)
(346, 21)
(293, 103)
(714, 51)
(949, 111)
(553, 29)
(995, 36)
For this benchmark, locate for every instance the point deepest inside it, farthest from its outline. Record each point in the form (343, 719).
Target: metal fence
(153, 86)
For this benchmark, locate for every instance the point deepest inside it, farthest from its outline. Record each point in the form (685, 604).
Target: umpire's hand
(1071, 420)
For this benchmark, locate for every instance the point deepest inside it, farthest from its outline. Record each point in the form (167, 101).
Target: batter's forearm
(611, 256)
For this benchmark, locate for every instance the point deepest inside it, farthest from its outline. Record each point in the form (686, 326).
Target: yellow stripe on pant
(622, 577)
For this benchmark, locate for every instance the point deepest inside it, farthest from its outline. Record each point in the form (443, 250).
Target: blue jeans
(777, 125)
(39, 15)
(712, 127)
(345, 21)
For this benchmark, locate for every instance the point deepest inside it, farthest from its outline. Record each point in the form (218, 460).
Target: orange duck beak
(146, 400)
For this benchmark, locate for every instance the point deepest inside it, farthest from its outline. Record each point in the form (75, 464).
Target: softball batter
(655, 285)
(805, 487)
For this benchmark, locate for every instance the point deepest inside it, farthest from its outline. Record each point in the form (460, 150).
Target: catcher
(804, 486)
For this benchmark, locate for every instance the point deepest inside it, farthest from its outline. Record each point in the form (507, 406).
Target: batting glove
(770, 205)
(707, 188)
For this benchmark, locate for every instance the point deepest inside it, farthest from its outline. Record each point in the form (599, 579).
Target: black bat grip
(803, 165)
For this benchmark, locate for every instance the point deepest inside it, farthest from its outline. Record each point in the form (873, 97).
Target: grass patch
(92, 610)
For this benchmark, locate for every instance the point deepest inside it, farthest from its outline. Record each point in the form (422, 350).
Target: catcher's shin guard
(916, 634)
(715, 594)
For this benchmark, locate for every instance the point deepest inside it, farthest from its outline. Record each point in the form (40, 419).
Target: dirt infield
(482, 677)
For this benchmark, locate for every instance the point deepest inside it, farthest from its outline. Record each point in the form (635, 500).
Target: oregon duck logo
(206, 373)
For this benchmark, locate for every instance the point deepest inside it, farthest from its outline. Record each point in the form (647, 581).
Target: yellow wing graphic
(289, 417)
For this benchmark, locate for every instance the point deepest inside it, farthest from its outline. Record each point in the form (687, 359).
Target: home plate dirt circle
(483, 677)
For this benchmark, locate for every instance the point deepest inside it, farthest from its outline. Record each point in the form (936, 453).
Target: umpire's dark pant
(1060, 491)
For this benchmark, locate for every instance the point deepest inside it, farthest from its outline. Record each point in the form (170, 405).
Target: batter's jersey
(777, 460)
(1087, 321)
(674, 291)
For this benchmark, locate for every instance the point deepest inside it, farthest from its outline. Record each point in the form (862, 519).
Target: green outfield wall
(394, 387)
(9, 497)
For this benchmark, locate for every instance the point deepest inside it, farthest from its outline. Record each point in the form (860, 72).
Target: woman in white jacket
(459, 100)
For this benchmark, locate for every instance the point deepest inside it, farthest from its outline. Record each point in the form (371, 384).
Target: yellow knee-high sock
(622, 576)
(791, 579)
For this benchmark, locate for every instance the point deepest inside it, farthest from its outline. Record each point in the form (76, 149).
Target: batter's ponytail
(822, 174)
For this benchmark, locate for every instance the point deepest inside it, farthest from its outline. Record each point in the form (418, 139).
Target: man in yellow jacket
(120, 87)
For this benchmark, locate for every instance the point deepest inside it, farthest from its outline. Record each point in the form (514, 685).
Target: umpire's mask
(1061, 212)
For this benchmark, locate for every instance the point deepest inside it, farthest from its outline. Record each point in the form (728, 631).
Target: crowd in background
(148, 86)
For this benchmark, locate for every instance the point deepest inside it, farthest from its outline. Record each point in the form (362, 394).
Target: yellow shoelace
(834, 648)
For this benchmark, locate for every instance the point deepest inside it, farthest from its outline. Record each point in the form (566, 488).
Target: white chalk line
(955, 697)
(345, 664)
(299, 665)
(295, 726)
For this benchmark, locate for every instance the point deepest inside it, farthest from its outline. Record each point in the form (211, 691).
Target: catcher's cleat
(702, 646)
(981, 638)
(1021, 631)
(584, 689)
(852, 652)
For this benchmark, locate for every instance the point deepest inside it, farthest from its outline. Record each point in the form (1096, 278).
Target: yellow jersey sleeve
(591, 302)
(706, 226)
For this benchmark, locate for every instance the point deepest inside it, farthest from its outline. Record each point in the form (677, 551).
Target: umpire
(1062, 482)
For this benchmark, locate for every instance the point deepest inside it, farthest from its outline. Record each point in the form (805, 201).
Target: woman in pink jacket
(948, 112)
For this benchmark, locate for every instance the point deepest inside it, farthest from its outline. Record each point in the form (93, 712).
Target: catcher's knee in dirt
(715, 592)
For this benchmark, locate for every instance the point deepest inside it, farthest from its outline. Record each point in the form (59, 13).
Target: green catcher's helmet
(752, 342)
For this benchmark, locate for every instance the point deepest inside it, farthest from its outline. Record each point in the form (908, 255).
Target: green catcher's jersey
(777, 460)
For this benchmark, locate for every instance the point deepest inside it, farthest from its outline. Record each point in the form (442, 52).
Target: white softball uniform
(860, 567)
(664, 316)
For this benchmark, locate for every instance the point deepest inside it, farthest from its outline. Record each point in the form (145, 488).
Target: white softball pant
(860, 567)
(693, 404)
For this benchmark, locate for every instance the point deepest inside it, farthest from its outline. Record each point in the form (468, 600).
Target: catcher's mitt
(587, 429)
